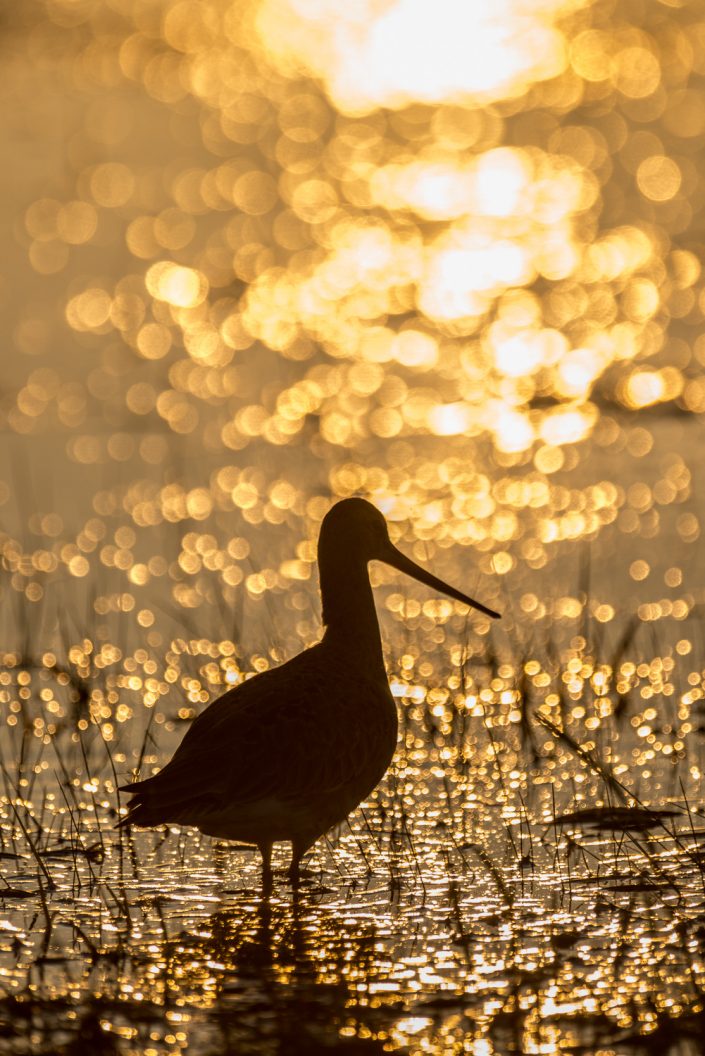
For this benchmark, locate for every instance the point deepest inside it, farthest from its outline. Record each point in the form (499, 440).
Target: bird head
(355, 531)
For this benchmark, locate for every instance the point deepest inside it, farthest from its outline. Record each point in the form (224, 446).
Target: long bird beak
(395, 558)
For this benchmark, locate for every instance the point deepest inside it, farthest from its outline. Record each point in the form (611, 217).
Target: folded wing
(281, 733)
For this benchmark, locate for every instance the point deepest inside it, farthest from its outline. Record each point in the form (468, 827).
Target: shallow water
(486, 899)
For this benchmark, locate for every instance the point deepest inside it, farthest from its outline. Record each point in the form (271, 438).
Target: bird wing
(278, 734)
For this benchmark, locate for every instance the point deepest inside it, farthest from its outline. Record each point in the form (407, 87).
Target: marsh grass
(531, 872)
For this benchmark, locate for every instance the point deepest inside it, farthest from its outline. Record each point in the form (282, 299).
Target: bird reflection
(279, 978)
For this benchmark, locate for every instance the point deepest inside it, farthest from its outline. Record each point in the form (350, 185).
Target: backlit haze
(260, 255)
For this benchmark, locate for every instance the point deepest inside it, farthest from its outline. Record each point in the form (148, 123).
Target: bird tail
(168, 796)
(138, 813)
(157, 800)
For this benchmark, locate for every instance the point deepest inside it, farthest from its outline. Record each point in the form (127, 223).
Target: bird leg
(298, 850)
(265, 849)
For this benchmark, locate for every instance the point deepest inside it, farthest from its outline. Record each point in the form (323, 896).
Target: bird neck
(349, 612)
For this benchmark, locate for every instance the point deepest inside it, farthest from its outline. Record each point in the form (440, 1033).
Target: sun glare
(475, 51)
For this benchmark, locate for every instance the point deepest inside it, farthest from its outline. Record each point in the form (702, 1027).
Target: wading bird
(290, 753)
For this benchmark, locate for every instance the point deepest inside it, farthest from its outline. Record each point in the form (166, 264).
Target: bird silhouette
(289, 753)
